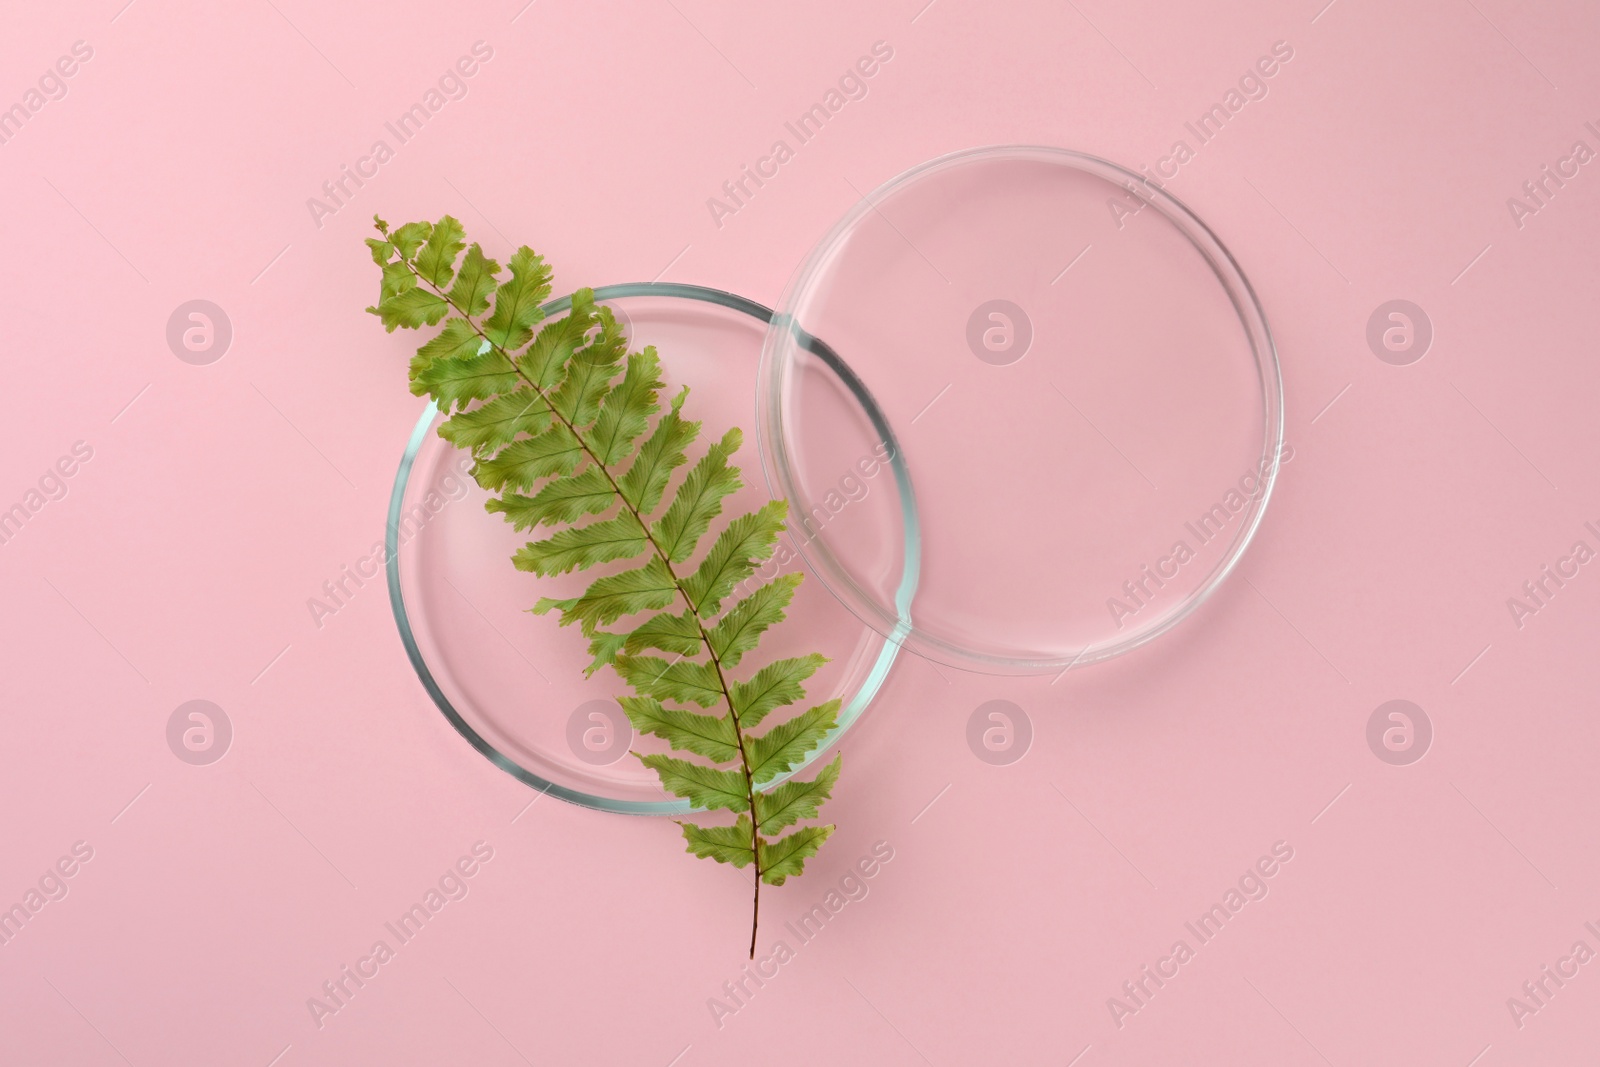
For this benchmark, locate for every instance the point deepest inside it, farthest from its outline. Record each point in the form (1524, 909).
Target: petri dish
(512, 683)
(1084, 388)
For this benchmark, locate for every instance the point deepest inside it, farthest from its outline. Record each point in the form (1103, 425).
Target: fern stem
(694, 609)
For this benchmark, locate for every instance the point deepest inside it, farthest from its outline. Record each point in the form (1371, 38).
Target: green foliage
(565, 423)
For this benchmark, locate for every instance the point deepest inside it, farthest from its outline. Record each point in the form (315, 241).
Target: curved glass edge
(848, 714)
(900, 628)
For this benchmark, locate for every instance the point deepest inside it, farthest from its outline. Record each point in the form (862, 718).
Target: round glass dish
(512, 683)
(1085, 389)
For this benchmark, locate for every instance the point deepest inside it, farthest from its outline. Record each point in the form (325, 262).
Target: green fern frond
(565, 423)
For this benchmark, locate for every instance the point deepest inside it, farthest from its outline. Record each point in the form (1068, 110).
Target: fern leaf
(725, 844)
(786, 857)
(453, 382)
(663, 452)
(711, 736)
(774, 686)
(627, 409)
(498, 422)
(743, 543)
(527, 460)
(436, 261)
(609, 342)
(588, 379)
(608, 599)
(475, 281)
(546, 358)
(795, 801)
(457, 340)
(580, 547)
(412, 308)
(702, 786)
(557, 437)
(567, 500)
(699, 499)
(397, 278)
(603, 647)
(679, 634)
(741, 628)
(695, 683)
(517, 300)
(789, 742)
(408, 238)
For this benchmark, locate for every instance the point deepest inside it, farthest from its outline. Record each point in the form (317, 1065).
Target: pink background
(218, 498)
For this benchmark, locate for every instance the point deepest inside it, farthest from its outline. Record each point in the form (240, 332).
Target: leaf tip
(548, 604)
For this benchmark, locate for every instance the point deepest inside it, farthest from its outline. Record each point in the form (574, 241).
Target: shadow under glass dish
(1084, 387)
(512, 683)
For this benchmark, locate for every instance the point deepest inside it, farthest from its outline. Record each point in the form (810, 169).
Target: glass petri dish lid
(1084, 390)
(512, 683)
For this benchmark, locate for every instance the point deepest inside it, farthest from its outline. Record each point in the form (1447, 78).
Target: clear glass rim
(895, 621)
(849, 712)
